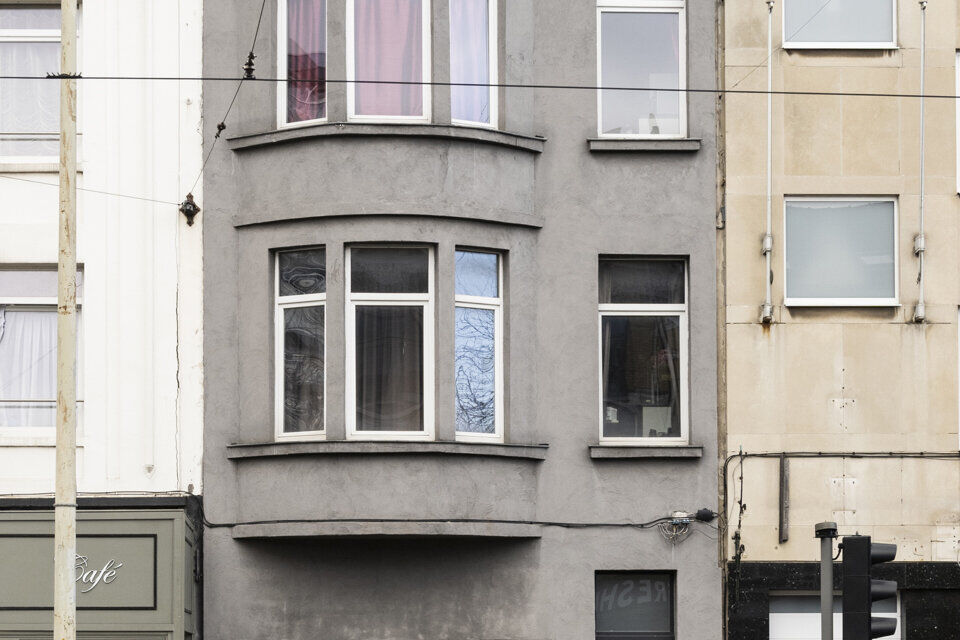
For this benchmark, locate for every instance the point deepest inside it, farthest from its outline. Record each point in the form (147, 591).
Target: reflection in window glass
(475, 363)
(470, 60)
(388, 46)
(389, 369)
(303, 272)
(862, 22)
(631, 606)
(626, 281)
(477, 274)
(306, 60)
(389, 270)
(640, 49)
(303, 367)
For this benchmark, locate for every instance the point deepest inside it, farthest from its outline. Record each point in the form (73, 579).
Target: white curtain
(28, 106)
(28, 367)
(470, 59)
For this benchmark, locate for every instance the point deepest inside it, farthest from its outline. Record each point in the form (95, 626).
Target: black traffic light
(860, 591)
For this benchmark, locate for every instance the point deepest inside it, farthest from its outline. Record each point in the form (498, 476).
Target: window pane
(634, 603)
(640, 50)
(470, 59)
(306, 60)
(389, 270)
(29, 108)
(475, 363)
(32, 283)
(847, 21)
(840, 249)
(303, 356)
(28, 367)
(47, 18)
(303, 272)
(388, 40)
(641, 376)
(797, 617)
(642, 281)
(477, 274)
(389, 368)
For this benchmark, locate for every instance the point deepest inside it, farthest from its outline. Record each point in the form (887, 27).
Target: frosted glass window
(641, 49)
(470, 61)
(841, 251)
(477, 274)
(844, 23)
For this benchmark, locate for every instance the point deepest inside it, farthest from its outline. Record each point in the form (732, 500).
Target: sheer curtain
(28, 367)
(29, 106)
(388, 41)
(470, 59)
(306, 60)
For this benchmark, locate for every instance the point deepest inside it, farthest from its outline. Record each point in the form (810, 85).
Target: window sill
(33, 167)
(534, 452)
(644, 145)
(393, 528)
(680, 451)
(533, 144)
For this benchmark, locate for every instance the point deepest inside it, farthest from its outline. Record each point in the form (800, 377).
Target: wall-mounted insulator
(248, 67)
(767, 244)
(919, 244)
(189, 209)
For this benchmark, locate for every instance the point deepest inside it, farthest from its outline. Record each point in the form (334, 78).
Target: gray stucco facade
(341, 539)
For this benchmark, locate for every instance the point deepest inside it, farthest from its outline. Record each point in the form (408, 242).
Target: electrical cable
(89, 190)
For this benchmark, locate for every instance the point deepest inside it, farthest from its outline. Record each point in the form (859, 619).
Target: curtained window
(388, 42)
(643, 352)
(389, 316)
(301, 288)
(305, 42)
(473, 61)
(29, 109)
(642, 47)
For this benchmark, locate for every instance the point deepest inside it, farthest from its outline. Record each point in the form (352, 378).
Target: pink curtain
(470, 59)
(306, 60)
(388, 41)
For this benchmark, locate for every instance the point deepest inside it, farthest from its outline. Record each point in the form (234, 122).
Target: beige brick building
(842, 366)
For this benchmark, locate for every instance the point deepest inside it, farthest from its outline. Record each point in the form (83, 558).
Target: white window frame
(494, 46)
(957, 116)
(495, 305)
(800, 44)
(424, 300)
(41, 435)
(645, 6)
(679, 311)
(281, 304)
(282, 71)
(844, 302)
(426, 60)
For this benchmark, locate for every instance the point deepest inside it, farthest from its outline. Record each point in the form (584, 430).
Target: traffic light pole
(826, 531)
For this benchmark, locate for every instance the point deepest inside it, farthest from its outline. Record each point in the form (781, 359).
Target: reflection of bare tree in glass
(475, 366)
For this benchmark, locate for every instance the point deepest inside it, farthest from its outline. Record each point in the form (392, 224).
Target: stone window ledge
(521, 142)
(533, 452)
(684, 451)
(638, 145)
(380, 528)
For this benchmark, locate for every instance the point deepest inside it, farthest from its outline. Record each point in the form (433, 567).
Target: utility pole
(826, 531)
(65, 500)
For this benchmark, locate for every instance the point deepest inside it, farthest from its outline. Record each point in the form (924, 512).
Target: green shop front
(137, 573)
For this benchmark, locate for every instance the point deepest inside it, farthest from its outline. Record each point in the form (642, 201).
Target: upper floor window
(388, 41)
(303, 56)
(841, 251)
(643, 351)
(389, 345)
(473, 61)
(301, 293)
(846, 24)
(29, 109)
(478, 346)
(28, 348)
(634, 605)
(642, 44)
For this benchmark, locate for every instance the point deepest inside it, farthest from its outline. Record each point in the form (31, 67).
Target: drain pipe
(920, 241)
(766, 313)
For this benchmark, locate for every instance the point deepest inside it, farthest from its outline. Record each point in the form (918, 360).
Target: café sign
(92, 577)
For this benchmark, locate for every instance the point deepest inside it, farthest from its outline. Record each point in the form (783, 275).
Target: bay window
(29, 108)
(851, 24)
(643, 351)
(478, 346)
(473, 60)
(302, 56)
(389, 342)
(388, 41)
(641, 44)
(301, 291)
(840, 251)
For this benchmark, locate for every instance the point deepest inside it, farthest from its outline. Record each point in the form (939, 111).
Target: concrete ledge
(249, 218)
(520, 142)
(632, 145)
(534, 452)
(604, 452)
(385, 528)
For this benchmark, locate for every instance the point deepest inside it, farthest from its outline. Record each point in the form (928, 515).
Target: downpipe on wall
(920, 240)
(766, 312)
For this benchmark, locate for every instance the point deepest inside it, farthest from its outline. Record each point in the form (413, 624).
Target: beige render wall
(844, 379)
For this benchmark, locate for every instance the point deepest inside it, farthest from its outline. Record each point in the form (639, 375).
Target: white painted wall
(142, 334)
